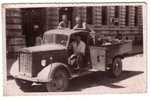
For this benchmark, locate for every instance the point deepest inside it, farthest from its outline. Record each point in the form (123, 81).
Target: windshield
(56, 38)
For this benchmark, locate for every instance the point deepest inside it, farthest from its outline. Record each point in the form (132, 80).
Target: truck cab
(47, 64)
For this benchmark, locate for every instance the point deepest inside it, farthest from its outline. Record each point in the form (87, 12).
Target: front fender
(45, 75)
(14, 71)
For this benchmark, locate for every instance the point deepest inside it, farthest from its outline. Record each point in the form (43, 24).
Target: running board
(79, 74)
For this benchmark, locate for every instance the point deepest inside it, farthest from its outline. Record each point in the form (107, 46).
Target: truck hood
(45, 47)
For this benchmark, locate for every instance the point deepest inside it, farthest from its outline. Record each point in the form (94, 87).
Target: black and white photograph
(80, 48)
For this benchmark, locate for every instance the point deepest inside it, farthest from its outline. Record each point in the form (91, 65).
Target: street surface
(132, 80)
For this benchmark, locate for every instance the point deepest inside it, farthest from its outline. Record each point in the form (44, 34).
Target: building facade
(23, 25)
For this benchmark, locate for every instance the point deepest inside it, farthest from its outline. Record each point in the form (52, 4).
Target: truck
(47, 64)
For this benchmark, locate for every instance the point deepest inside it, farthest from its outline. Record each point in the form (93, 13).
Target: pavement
(132, 80)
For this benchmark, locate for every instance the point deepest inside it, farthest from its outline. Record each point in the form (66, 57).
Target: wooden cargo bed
(103, 56)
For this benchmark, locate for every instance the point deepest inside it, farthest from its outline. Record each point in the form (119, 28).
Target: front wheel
(116, 69)
(59, 82)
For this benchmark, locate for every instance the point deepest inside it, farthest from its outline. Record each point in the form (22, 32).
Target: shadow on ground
(91, 80)
(100, 79)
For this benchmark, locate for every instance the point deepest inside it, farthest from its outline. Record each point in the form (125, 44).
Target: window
(104, 15)
(116, 15)
(127, 16)
(116, 11)
(89, 15)
(136, 17)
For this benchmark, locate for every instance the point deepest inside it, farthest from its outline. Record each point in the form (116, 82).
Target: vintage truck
(48, 63)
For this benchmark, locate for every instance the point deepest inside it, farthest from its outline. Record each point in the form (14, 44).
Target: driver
(76, 59)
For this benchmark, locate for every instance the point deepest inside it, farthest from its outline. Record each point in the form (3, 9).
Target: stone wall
(14, 37)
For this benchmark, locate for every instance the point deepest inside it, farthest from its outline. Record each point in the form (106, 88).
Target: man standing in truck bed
(64, 23)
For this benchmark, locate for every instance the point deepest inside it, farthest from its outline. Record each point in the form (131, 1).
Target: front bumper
(42, 77)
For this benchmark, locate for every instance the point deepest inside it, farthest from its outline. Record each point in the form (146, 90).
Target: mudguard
(14, 68)
(46, 74)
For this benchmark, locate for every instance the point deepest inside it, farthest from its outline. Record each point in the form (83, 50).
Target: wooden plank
(119, 49)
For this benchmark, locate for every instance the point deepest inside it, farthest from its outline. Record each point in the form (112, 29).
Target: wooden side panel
(119, 49)
(127, 47)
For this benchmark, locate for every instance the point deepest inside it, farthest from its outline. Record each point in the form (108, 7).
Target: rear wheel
(23, 84)
(116, 69)
(59, 82)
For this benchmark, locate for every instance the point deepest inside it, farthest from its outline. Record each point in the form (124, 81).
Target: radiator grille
(25, 64)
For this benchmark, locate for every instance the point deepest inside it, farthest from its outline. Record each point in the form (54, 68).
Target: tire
(59, 82)
(116, 68)
(23, 84)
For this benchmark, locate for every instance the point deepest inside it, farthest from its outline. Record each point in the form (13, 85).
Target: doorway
(33, 21)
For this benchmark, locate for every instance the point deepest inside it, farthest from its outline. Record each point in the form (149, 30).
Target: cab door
(98, 58)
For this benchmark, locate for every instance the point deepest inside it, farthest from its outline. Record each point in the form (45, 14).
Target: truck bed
(102, 56)
(121, 48)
